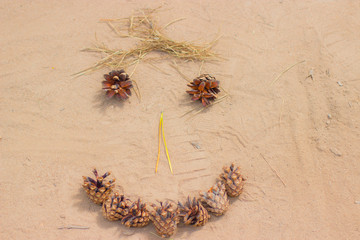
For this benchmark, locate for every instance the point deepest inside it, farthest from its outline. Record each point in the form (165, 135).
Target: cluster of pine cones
(166, 215)
(203, 88)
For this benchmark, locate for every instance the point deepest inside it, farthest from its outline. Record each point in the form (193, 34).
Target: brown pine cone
(165, 218)
(116, 207)
(98, 190)
(193, 213)
(138, 215)
(233, 180)
(117, 84)
(204, 88)
(215, 199)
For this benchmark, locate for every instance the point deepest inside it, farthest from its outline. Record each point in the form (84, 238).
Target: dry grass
(278, 77)
(144, 28)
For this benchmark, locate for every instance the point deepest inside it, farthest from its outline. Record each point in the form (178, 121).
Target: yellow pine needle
(166, 149)
(158, 157)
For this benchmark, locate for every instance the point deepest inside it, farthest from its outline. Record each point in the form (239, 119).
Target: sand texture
(292, 121)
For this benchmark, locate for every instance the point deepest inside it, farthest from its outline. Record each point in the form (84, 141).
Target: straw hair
(145, 29)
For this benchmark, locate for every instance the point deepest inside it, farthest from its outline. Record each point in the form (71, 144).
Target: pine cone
(204, 88)
(117, 84)
(116, 207)
(98, 190)
(165, 218)
(138, 215)
(193, 213)
(215, 199)
(233, 180)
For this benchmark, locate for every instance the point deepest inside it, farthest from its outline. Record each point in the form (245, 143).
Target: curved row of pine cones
(203, 88)
(166, 215)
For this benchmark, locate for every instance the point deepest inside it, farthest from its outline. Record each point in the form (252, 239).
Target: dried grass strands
(144, 28)
(200, 109)
(278, 77)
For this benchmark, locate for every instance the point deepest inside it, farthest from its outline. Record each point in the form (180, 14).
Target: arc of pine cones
(117, 83)
(204, 88)
(98, 189)
(215, 199)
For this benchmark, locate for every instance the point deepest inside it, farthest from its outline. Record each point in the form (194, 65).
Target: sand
(297, 139)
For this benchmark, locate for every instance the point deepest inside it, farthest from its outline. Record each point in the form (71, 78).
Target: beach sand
(291, 122)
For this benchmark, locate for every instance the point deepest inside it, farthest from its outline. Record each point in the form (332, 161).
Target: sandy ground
(297, 140)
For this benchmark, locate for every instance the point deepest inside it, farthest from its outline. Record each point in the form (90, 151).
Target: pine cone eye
(117, 83)
(204, 89)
